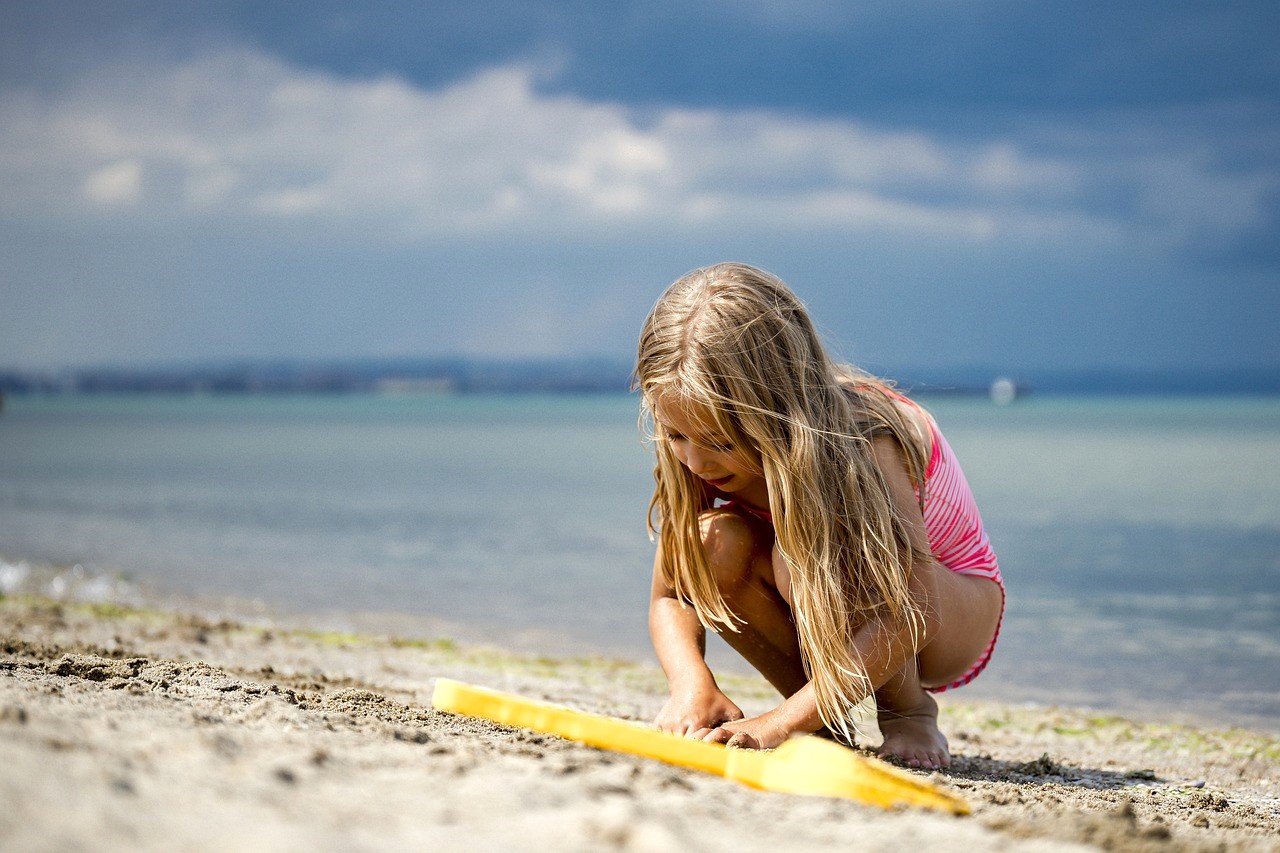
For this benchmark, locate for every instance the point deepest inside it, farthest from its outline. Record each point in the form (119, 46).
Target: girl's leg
(908, 720)
(964, 612)
(754, 581)
(740, 553)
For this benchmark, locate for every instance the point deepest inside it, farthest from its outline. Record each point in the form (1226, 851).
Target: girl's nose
(696, 459)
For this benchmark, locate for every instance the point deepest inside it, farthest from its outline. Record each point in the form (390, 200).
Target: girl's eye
(718, 447)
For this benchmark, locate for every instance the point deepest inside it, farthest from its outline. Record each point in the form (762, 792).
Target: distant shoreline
(586, 376)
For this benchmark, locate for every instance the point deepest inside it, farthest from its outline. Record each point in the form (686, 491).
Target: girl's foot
(912, 737)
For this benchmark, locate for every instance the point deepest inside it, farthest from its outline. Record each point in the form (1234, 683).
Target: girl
(811, 516)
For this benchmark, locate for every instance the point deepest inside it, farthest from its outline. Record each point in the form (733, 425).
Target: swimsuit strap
(756, 511)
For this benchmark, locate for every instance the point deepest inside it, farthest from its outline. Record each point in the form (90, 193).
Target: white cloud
(117, 183)
(241, 135)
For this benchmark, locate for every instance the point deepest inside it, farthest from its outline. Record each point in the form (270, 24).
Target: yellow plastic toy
(802, 765)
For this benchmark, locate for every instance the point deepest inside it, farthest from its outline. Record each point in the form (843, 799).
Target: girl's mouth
(720, 482)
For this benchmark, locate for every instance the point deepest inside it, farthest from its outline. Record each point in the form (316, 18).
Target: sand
(133, 729)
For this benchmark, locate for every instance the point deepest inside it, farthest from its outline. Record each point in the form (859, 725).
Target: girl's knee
(731, 545)
(781, 574)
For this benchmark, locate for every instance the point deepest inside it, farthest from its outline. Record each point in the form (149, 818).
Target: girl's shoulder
(877, 407)
(880, 411)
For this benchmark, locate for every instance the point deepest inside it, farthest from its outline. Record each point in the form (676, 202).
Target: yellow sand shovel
(802, 765)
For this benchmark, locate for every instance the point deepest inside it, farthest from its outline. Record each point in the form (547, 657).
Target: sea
(1139, 536)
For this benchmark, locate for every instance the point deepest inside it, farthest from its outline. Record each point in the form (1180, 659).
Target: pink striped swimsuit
(956, 536)
(953, 525)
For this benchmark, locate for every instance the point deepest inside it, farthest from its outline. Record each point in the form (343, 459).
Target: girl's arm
(696, 705)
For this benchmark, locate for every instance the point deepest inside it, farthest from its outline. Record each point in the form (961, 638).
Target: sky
(1016, 184)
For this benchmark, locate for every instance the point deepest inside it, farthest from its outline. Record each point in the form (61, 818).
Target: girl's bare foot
(912, 737)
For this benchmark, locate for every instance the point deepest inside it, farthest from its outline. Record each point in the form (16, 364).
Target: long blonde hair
(735, 342)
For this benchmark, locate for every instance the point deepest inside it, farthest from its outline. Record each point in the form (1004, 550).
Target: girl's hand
(695, 712)
(762, 732)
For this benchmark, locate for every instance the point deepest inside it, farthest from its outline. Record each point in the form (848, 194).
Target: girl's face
(694, 439)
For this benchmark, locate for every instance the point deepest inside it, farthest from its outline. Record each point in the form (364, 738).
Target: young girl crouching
(813, 517)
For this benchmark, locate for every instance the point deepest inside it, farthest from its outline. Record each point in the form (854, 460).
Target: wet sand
(157, 730)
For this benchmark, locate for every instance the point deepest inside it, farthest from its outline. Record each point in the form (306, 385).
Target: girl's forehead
(683, 415)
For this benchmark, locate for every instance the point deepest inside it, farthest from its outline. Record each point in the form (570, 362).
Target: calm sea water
(1140, 538)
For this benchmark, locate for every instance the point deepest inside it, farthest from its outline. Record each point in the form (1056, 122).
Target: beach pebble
(225, 746)
(13, 714)
(123, 785)
(1210, 801)
(411, 735)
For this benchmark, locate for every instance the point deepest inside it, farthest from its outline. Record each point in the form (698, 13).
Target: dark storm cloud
(1068, 184)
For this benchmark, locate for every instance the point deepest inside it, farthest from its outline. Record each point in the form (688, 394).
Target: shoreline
(168, 729)
(74, 585)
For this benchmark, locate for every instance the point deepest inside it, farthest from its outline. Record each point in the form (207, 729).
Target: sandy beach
(147, 729)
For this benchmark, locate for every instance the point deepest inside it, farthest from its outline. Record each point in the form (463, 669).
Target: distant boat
(1003, 391)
